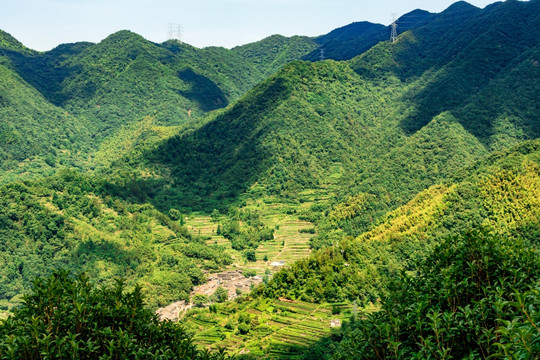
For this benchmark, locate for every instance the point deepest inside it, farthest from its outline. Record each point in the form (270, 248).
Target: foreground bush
(67, 318)
(476, 297)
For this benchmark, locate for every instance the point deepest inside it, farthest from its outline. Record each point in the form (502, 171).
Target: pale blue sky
(43, 24)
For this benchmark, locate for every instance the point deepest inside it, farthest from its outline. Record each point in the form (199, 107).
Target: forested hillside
(270, 54)
(415, 257)
(362, 125)
(500, 193)
(394, 170)
(34, 131)
(80, 223)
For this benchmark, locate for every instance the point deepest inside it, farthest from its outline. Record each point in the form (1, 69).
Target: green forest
(377, 199)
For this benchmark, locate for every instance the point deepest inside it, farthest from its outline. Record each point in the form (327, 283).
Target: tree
(215, 215)
(476, 296)
(68, 318)
(221, 294)
(175, 214)
(250, 255)
(200, 300)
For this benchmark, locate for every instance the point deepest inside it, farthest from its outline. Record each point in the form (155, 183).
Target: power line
(393, 34)
(175, 32)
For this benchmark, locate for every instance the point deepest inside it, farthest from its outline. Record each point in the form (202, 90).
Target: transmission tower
(321, 55)
(393, 34)
(175, 32)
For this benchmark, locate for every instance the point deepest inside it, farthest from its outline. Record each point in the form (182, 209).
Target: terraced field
(274, 329)
(289, 243)
(279, 329)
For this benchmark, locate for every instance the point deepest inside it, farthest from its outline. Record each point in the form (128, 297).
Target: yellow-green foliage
(416, 218)
(82, 224)
(500, 192)
(513, 198)
(263, 327)
(350, 208)
(132, 138)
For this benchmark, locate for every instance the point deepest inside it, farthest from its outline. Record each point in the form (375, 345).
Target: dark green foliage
(67, 318)
(249, 273)
(501, 191)
(9, 42)
(32, 129)
(200, 300)
(465, 66)
(248, 235)
(243, 328)
(272, 53)
(376, 145)
(102, 88)
(250, 255)
(79, 223)
(476, 296)
(291, 132)
(221, 294)
(348, 41)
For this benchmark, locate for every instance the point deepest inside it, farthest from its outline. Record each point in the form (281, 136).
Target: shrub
(476, 296)
(68, 318)
(243, 328)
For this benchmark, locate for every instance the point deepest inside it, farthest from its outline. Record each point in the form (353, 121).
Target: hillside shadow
(45, 73)
(473, 57)
(202, 90)
(212, 166)
(91, 254)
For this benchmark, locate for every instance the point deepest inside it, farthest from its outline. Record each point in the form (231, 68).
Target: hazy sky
(43, 24)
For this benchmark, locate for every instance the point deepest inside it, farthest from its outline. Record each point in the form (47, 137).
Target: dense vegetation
(475, 297)
(93, 91)
(501, 192)
(245, 229)
(377, 159)
(79, 223)
(34, 131)
(271, 54)
(67, 318)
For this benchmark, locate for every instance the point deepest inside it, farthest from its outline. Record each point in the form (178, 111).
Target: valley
(380, 202)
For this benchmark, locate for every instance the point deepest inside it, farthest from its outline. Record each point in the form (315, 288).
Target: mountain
(125, 77)
(258, 138)
(9, 42)
(348, 41)
(79, 223)
(486, 213)
(87, 93)
(471, 200)
(32, 130)
(462, 65)
(272, 53)
(374, 125)
(379, 159)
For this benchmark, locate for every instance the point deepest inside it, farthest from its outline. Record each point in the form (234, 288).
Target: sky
(44, 24)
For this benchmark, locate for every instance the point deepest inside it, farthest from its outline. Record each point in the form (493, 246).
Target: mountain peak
(460, 7)
(348, 32)
(9, 42)
(124, 36)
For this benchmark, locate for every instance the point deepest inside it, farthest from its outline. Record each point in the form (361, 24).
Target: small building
(335, 323)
